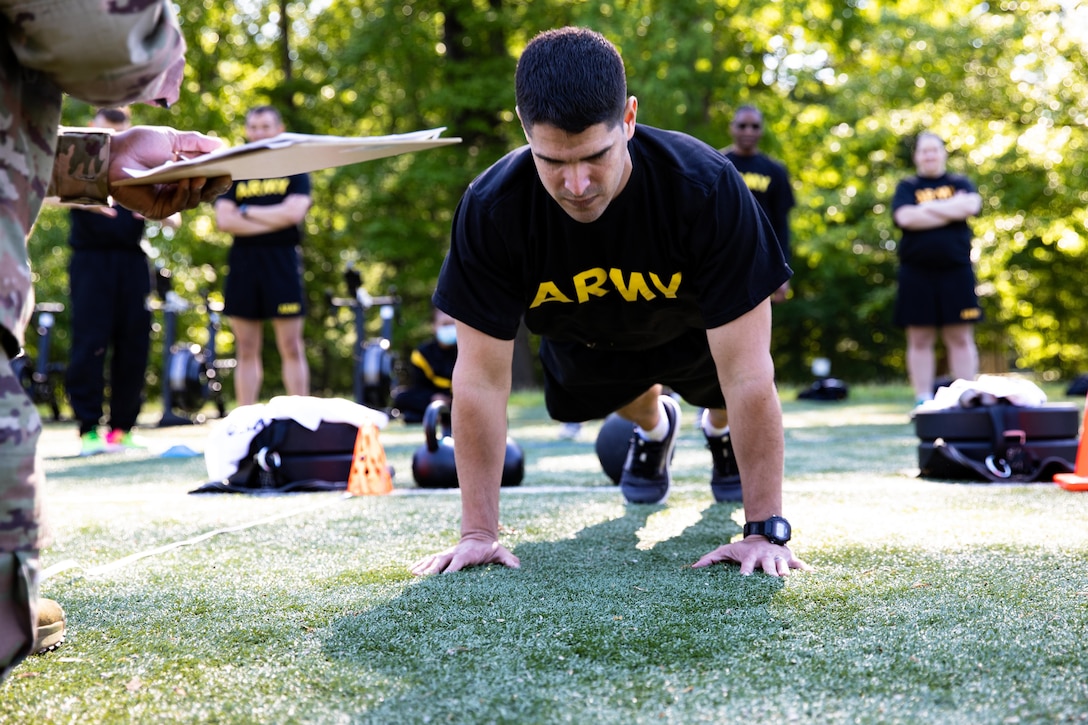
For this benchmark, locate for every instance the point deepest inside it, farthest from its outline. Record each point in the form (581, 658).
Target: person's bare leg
(922, 360)
(296, 370)
(959, 341)
(717, 417)
(247, 372)
(644, 411)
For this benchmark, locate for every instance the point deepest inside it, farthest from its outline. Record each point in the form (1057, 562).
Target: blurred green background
(844, 87)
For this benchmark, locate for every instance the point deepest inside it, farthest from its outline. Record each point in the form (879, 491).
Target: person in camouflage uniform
(104, 54)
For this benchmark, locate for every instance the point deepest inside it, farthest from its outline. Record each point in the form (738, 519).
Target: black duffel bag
(287, 457)
(997, 443)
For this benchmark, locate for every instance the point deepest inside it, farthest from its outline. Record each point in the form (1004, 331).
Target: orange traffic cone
(1078, 479)
(369, 471)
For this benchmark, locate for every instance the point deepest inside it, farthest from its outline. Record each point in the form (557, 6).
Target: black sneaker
(725, 478)
(646, 477)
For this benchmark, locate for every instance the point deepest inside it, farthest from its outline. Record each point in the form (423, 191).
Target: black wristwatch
(776, 529)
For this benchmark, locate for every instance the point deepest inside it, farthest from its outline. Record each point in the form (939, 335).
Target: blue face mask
(446, 335)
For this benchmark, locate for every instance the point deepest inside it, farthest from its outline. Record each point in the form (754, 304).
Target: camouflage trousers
(20, 519)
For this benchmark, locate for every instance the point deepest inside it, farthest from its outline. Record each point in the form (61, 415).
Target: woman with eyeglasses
(936, 274)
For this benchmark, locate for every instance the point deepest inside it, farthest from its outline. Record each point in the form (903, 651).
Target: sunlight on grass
(930, 602)
(667, 524)
(580, 463)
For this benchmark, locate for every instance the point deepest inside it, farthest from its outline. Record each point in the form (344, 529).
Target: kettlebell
(433, 463)
(613, 441)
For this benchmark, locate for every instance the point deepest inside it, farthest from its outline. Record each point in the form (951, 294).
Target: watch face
(778, 530)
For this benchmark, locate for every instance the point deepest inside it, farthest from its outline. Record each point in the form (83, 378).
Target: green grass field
(931, 602)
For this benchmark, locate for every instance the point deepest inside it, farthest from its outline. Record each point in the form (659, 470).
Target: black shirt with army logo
(682, 246)
(265, 192)
(947, 246)
(769, 183)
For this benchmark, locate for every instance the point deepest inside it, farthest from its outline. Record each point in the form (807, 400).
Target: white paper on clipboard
(288, 154)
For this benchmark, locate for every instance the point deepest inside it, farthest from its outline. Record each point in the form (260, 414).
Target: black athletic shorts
(264, 282)
(936, 297)
(583, 383)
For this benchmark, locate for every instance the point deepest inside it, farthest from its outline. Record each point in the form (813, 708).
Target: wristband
(81, 169)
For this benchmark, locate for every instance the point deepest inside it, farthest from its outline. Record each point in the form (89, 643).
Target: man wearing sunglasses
(766, 178)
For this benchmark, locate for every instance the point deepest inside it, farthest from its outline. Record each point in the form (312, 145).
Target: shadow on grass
(590, 617)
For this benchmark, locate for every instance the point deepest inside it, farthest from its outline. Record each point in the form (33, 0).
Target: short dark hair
(924, 134)
(259, 110)
(571, 78)
(113, 115)
(747, 107)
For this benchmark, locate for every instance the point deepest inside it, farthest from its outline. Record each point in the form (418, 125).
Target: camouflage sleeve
(82, 160)
(104, 53)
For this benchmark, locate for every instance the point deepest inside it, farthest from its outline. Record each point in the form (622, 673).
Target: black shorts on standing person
(264, 282)
(265, 279)
(936, 297)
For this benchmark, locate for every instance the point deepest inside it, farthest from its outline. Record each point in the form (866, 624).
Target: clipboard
(288, 154)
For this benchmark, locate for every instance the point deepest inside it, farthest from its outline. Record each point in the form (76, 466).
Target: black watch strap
(775, 529)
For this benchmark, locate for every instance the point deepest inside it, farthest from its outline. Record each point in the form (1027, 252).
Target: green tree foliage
(844, 87)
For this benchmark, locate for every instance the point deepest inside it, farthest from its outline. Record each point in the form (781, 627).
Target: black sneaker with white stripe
(646, 477)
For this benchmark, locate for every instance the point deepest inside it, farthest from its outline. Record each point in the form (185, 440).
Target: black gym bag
(997, 442)
(286, 457)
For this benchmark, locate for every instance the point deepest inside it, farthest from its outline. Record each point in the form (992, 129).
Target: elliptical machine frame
(42, 378)
(191, 374)
(376, 365)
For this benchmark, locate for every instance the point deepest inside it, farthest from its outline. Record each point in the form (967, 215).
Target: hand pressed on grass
(468, 552)
(754, 551)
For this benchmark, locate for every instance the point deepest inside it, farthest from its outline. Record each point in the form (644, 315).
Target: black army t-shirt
(265, 192)
(681, 247)
(947, 246)
(769, 183)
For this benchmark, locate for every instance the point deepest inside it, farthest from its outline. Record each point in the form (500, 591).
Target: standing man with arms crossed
(640, 258)
(765, 177)
(102, 54)
(936, 275)
(265, 278)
